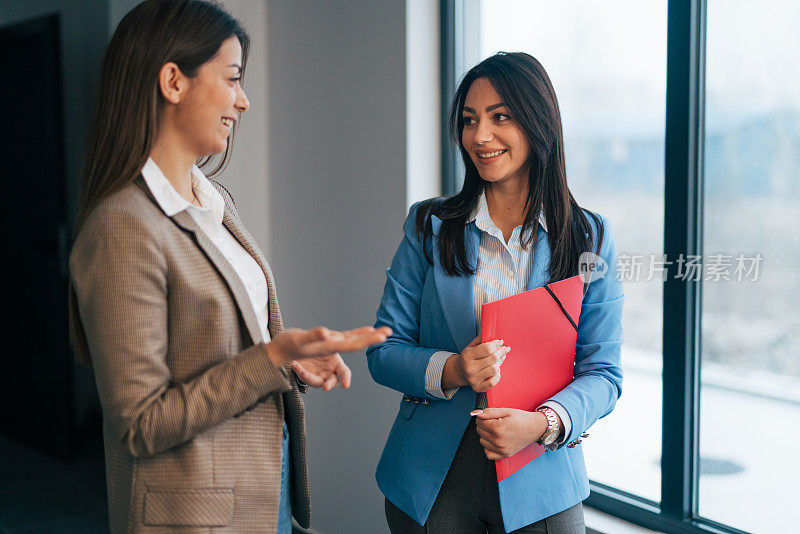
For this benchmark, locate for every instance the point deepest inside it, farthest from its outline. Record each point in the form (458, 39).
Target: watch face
(550, 437)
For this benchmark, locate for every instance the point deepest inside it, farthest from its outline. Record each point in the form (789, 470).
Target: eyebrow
(490, 108)
(236, 65)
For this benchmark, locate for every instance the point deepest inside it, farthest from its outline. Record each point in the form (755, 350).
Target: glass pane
(612, 99)
(750, 392)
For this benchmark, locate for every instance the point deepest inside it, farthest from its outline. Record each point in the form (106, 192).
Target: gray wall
(337, 183)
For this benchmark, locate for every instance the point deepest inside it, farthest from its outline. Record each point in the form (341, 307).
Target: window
(660, 134)
(751, 247)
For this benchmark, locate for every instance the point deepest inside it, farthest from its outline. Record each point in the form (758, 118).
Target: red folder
(542, 358)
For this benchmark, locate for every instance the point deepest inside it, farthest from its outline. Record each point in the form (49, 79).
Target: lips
(489, 157)
(492, 154)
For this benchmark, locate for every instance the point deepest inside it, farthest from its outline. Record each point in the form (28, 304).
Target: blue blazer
(429, 311)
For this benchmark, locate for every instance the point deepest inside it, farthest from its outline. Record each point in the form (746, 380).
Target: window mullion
(448, 89)
(682, 238)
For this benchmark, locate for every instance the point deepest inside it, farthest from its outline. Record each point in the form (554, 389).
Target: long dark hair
(126, 116)
(525, 89)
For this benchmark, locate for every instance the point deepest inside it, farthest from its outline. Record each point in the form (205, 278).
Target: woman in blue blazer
(514, 226)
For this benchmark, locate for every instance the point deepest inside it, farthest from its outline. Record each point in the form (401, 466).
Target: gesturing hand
(506, 431)
(321, 342)
(325, 372)
(478, 365)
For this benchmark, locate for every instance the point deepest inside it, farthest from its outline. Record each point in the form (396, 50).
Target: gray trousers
(468, 501)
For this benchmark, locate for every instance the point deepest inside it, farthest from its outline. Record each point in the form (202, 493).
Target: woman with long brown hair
(173, 304)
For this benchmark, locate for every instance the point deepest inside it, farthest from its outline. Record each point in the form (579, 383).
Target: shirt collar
(484, 221)
(171, 202)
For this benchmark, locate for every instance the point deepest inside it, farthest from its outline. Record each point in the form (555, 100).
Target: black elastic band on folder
(562, 307)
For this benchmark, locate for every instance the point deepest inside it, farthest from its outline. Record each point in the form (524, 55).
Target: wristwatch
(553, 429)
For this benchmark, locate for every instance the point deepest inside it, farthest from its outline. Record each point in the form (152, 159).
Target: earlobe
(169, 83)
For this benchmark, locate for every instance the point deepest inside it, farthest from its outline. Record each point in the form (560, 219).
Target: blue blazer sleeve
(597, 382)
(400, 363)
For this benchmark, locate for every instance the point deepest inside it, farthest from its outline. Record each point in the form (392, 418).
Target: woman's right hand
(478, 365)
(297, 344)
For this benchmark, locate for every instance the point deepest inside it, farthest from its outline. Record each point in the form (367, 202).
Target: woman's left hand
(506, 431)
(325, 372)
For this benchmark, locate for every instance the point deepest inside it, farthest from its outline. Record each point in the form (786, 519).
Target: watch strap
(548, 439)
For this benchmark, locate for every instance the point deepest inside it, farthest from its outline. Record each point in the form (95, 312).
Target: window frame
(678, 510)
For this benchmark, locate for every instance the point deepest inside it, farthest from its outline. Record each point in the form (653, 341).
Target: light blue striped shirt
(503, 270)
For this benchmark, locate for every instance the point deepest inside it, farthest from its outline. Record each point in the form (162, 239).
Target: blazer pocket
(191, 507)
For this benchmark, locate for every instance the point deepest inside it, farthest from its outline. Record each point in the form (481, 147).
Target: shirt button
(515, 243)
(510, 274)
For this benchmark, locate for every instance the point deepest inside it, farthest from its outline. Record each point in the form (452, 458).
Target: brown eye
(469, 121)
(501, 117)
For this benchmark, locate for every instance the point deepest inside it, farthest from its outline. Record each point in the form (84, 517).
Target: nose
(483, 132)
(242, 103)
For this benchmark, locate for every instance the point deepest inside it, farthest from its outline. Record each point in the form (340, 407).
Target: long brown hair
(126, 116)
(525, 89)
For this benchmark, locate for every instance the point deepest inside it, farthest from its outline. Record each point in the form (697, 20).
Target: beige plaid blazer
(193, 408)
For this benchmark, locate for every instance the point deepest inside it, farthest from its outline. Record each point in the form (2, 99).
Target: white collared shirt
(503, 270)
(209, 218)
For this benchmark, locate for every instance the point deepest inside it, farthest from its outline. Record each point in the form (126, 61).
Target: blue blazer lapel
(541, 261)
(455, 292)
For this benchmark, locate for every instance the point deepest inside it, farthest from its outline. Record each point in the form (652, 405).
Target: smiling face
(495, 142)
(213, 102)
